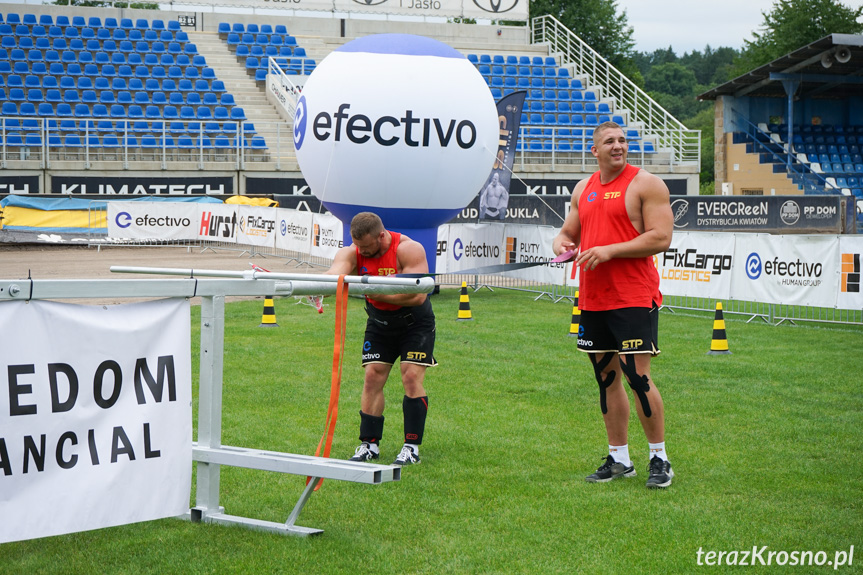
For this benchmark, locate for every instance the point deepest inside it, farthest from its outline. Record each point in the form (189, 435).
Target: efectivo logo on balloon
(387, 130)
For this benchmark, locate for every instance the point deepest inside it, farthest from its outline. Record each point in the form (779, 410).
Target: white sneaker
(364, 453)
(407, 456)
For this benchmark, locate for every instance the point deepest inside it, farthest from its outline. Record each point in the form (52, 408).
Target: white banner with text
(95, 416)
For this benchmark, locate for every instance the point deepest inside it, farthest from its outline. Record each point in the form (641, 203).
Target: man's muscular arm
(411, 260)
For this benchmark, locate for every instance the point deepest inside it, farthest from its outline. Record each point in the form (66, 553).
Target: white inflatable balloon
(401, 125)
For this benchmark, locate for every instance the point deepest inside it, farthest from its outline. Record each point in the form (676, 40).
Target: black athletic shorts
(407, 334)
(625, 330)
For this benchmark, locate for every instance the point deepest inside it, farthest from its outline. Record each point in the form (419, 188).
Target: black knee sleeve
(371, 428)
(604, 384)
(415, 410)
(640, 384)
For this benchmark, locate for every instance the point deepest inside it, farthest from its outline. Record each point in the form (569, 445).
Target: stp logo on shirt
(386, 271)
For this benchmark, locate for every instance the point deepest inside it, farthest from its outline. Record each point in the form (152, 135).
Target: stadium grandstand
(794, 126)
(90, 98)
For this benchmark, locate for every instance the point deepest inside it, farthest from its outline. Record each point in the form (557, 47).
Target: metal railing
(684, 144)
(45, 142)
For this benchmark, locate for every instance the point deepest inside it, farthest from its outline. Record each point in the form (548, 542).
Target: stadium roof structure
(829, 68)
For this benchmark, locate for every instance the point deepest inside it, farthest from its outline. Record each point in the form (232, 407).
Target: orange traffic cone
(268, 319)
(719, 343)
(576, 317)
(464, 304)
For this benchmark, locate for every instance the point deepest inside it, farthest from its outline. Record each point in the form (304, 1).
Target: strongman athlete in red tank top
(400, 327)
(622, 282)
(619, 218)
(385, 265)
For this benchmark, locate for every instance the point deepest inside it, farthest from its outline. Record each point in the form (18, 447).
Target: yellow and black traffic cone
(464, 303)
(719, 343)
(576, 317)
(268, 319)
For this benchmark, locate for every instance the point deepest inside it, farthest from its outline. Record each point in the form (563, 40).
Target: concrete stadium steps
(247, 95)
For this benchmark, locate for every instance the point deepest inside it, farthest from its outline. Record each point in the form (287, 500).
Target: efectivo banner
(95, 415)
(772, 269)
(154, 220)
(294, 230)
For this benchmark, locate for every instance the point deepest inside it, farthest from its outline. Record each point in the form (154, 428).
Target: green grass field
(765, 443)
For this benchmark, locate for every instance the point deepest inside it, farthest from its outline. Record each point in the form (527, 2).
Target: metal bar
(252, 274)
(307, 492)
(295, 464)
(210, 401)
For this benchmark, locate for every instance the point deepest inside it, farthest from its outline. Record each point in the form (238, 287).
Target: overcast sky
(688, 25)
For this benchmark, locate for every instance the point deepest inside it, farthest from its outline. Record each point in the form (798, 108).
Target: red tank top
(620, 282)
(386, 265)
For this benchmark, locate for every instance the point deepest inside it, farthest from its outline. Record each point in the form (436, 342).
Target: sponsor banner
(697, 265)
(153, 220)
(442, 248)
(471, 246)
(508, 9)
(97, 422)
(786, 270)
(19, 185)
(525, 243)
(494, 194)
(516, 10)
(256, 225)
(522, 209)
(327, 231)
(300, 200)
(218, 223)
(180, 185)
(777, 214)
(851, 272)
(294, 230)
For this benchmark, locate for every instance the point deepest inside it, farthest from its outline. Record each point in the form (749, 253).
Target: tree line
(674, 80)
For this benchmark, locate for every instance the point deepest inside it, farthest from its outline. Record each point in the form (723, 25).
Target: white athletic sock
(620, 453)
(658, 450)
(374, 448)
(414, 447)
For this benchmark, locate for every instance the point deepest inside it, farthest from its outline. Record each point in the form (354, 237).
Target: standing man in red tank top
(619, 219)
(400, 326)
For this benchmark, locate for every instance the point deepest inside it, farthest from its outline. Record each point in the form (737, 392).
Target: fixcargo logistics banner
(697, 265)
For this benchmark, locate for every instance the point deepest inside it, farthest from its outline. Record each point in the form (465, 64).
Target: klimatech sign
(175, 186)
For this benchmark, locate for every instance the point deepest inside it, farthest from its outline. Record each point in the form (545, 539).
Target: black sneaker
(407, 456)
(364, 453)
(609, 470)
(660, 473)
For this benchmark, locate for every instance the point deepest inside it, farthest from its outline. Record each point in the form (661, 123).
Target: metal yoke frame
(208, 453)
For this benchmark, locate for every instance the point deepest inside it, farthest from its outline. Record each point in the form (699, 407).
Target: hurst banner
(95, 417)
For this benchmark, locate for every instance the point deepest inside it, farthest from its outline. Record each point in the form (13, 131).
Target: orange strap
(335, 384)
